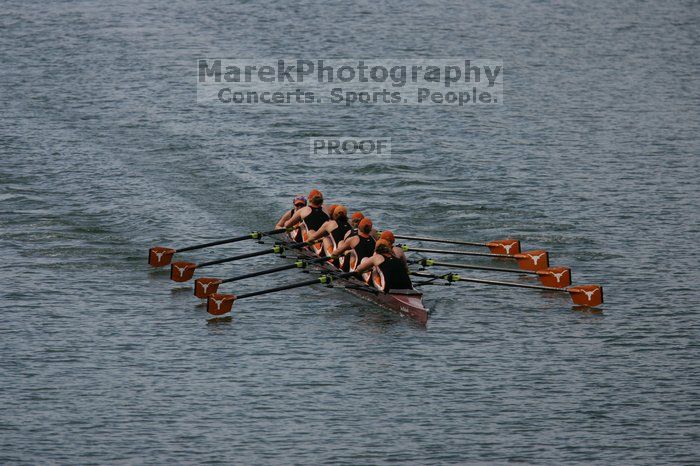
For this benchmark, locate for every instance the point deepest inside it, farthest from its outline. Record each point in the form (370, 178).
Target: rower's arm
(283, 219)
(369, 263)
(296, 218)
(320, 233)
(344, 246)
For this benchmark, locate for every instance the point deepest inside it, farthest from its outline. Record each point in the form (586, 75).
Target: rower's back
(316, 218)
(395, 274)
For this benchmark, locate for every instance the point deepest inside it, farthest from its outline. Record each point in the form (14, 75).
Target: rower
(388, 271)
(311, 217)
(329, 210)
(355, 222)
(388, 236)
(298, 202)
(360, 244)
(334, 230)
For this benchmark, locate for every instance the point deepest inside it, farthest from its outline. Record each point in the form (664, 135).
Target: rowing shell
(407, 303)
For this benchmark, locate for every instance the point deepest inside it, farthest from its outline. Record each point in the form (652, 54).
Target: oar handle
(253, 235)
(438, 240)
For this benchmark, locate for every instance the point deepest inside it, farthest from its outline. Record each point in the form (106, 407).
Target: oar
(583, 295)
(203, 287)
(183, 271)
(160, 256)
(219, 304)
(501, 246)
(557, 277)
(529, 260)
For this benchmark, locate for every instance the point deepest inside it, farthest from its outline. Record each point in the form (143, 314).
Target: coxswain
(360, 244)
(311, 217)
(388, 271)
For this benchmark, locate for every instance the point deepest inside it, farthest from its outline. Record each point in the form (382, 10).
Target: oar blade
(504, 246)
(586, 295)
(220, 304)
(203, 287)
(160, 256)
(533, 260)
(182, 271)
(555, 277)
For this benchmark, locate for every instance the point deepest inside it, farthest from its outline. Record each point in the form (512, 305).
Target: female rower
(334, 230)
(355, 222)
(311, 217)
(388, 271)
(359, 245)
(297, 203)
(388, 236)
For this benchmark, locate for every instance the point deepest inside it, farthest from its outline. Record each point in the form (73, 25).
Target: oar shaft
(492, 282)
(281, 268)
(479, 267)
(459, 253)
(438, 240)
(235, 258)
(278, 288)
(276, 249)
(322, 279)
(259, 273)
(253, 235)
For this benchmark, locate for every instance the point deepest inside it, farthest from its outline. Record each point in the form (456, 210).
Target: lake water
(104, 153)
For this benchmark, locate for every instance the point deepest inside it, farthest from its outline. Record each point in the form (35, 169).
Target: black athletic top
(365, 248)
(395, 274)
(316, 218)
(339, 233)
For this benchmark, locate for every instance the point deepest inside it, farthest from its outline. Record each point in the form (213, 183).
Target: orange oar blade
(203, 287)
(504, 246)
(586, 295)
(219, 304)
(557, 277)
(533, 260)
(160, 256)
(182, 271)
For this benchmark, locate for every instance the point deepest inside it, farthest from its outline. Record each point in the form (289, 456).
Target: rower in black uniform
(297, 203)
(389, 272)
(333, 231)
(360, 245)
(309, 218)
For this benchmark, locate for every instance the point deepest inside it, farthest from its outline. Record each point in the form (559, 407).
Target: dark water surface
(105, 153)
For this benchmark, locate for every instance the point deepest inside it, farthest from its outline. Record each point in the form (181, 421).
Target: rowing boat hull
(407, 303)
